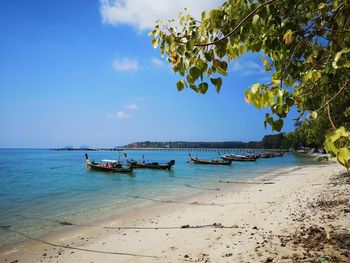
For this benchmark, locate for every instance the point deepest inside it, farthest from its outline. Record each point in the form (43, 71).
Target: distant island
(278, 141)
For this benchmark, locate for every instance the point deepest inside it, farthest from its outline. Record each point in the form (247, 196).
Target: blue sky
(84, 72)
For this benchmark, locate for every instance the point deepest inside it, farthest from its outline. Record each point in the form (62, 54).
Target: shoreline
(67, 228)
(147, 202)
(117, 237)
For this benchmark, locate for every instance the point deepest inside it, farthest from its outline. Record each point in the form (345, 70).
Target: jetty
(228, 150)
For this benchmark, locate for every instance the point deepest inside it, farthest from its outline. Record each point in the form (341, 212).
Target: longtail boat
(215, 162)
(238, 158)
(108, 166)
(272, 154)
(149, 165)
(152, 165)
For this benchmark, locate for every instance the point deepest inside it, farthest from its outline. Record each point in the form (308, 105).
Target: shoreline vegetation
(298, 214)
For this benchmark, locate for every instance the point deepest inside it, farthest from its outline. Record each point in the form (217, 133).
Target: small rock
(269, 259)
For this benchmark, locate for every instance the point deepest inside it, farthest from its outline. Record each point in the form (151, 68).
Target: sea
(41, 188)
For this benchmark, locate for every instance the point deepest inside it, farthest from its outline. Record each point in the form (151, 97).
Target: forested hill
(278, 141)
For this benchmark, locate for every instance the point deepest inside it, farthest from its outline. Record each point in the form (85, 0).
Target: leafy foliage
(306, 45)
(336, 143)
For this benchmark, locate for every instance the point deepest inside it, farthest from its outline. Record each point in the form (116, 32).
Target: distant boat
(150, 165)
(108, 166)
(265, 155)
(215, 162)
(238, 158)
(272, 154)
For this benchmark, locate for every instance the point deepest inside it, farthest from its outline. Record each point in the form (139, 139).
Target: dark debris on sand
(323, 241)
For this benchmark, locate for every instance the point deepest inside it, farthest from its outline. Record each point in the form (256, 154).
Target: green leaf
(322, 6)
(277, 125)
(220, 66)
(181, 50)
(289, 101)
(343, 156)
(267, 65)
(195, 73)
(220, 48)
(255, 19)
(189, 79)
(190, 45)
(288, 37)
(201, 65)
(313, 114)
(338, 56)
(338, 144)
(194, 87)
(155, 42)
(209, 55)
(217, 82)
(255, 88)
(180, 85)
(203, 87)
(340, 53)
(313, 75)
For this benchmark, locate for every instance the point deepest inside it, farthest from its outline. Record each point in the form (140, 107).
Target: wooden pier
(236, 150)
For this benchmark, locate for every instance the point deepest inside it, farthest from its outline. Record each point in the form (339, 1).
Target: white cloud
(157, 62)
(143, 14)
(132, 106)
(122, 115)
(119, 115)
(246, 68)
(125, 64)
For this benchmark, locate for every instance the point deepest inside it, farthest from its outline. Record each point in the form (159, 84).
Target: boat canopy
(109, 161)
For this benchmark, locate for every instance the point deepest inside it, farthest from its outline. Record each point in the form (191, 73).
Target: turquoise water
(39, 187)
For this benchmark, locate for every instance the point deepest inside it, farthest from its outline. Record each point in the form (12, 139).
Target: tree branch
(336, 95)
(330, 117)
(251, 14)
(291, 57)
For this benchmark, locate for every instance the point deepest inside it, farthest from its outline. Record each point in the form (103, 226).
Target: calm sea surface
(39, 187)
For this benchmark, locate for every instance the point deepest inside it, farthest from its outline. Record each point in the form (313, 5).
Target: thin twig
(330, 117)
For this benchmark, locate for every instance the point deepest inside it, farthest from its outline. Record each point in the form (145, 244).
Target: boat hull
(99, 167)
(239, 158)
(151, 166)
(211, 162)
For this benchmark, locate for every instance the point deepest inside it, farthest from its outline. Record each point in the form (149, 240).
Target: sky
(84, 72)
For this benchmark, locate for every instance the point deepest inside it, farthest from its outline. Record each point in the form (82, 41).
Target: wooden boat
(265, 155)
(108, 166)
(272, 154)
(215, 162)
(149, 165)
(152, 165)
(238, 158)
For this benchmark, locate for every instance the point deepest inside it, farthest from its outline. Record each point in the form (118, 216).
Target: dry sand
(299, 214)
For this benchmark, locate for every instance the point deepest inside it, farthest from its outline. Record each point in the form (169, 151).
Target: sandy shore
(300, 214)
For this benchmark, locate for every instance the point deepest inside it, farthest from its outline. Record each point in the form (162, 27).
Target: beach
(292, 214)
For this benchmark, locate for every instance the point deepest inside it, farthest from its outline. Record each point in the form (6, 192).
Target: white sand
(255, 215)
